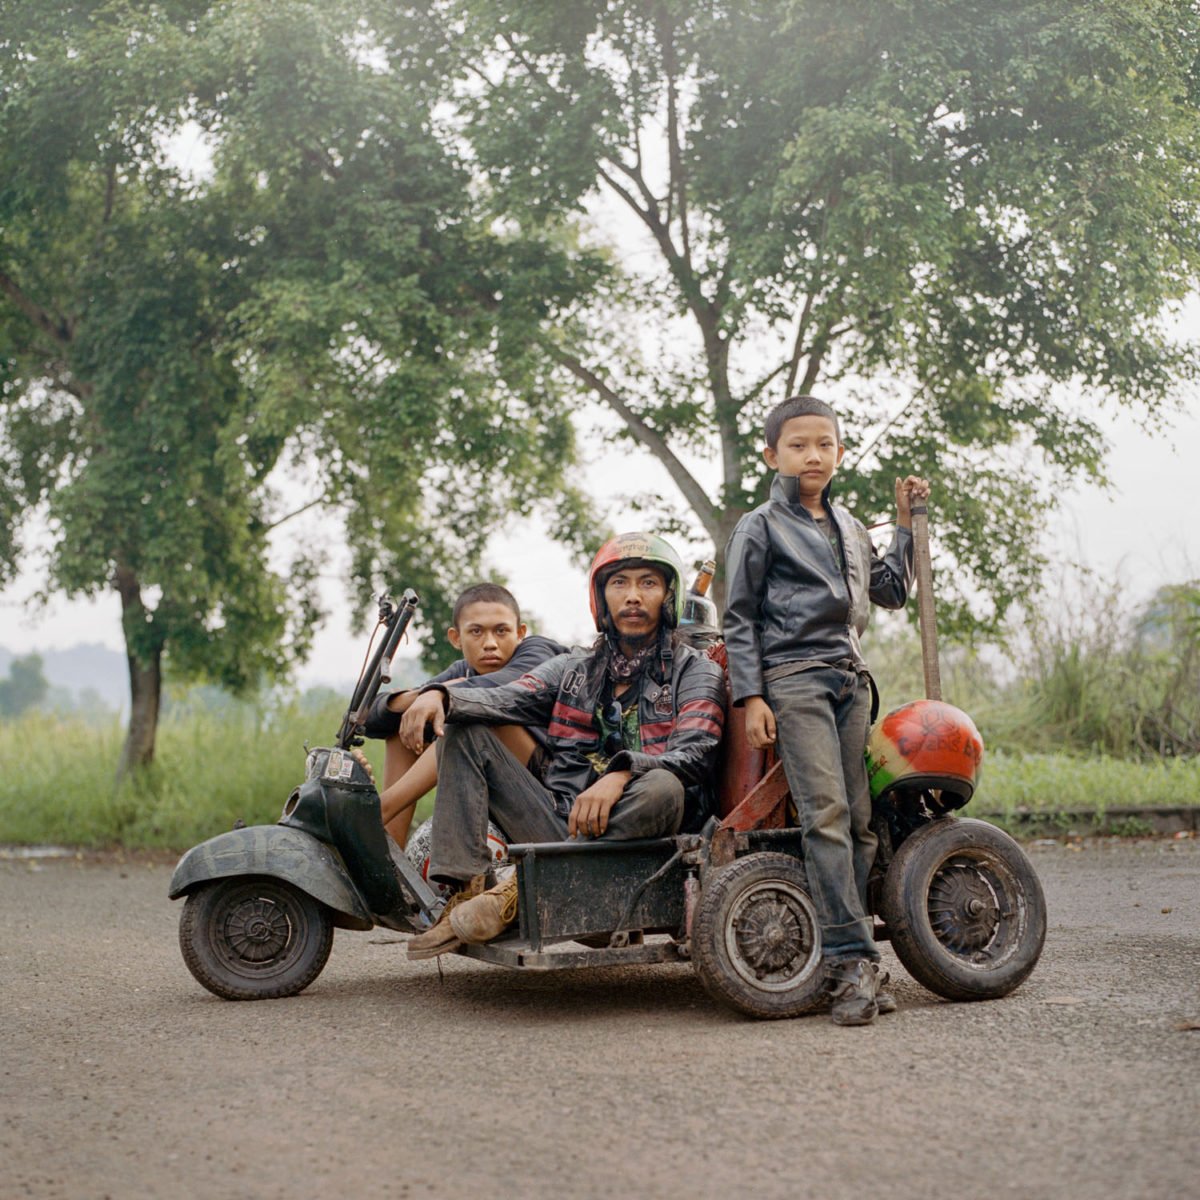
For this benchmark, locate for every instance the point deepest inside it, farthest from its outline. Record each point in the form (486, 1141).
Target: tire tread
(193, 935)
(708, 953)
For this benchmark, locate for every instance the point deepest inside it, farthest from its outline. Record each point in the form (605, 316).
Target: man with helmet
(633, 726)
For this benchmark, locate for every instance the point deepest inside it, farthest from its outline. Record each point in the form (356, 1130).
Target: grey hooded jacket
(789, 602)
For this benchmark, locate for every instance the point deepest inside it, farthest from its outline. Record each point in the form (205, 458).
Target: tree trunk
(729, 518)
(145, 693)
(145, 675)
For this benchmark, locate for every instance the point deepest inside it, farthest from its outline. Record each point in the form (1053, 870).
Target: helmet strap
(668, 617)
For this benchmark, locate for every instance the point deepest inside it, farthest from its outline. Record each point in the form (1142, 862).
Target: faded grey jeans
(821, 719)
(479, 779)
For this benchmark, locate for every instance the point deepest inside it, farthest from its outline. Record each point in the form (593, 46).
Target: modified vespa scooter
(957, 897)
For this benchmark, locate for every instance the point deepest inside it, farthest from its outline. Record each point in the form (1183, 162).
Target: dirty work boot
(487, 916)
(440, 937)
(884, 1001)
(852, 985)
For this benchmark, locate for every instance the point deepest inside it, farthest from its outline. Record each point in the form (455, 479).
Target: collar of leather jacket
(787, 489)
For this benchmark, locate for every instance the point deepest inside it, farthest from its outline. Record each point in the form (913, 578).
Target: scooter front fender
(296, 857)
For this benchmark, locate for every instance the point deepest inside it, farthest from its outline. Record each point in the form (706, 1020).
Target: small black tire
(254, 937)
(756, 938)
(965, 909)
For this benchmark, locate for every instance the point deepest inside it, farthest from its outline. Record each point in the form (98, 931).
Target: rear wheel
(756, 939)
(965, 908)
(254, 938)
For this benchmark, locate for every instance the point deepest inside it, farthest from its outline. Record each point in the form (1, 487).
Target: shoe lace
(508, 910)
(472, 889)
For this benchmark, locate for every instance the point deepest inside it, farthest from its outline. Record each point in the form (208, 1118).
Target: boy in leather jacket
(801, 575)
(487, 628)
(634, 723)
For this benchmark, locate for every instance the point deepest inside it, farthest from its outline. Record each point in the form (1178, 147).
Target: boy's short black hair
(798, 406)
(485, 593)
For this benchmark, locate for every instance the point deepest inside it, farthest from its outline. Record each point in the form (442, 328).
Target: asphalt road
(121, 1077)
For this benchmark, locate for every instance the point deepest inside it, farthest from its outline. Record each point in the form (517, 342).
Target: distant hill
(87, 665)
(91, 665)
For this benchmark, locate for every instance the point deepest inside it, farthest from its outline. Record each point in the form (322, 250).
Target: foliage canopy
(312, 311)
(964, 221)
(415, 234)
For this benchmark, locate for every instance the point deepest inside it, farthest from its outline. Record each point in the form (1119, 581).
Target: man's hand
(429, 708)
(760, 723)
(910, 490)
(589, 815)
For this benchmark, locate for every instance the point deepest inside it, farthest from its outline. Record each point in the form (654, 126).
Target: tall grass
(1104, 678)
(1085, 677)
(56, 779)
(211, 768)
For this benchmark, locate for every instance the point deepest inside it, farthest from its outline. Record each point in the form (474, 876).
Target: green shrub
(1091, 676)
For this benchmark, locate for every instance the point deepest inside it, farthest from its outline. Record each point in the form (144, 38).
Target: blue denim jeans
(822, 718)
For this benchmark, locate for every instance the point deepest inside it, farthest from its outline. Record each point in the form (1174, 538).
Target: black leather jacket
(788, 600)
(681, 708)
(381, 722)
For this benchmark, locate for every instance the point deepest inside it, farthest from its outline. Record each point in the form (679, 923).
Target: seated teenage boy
(800, 577)
(633, 723)
(486, 627)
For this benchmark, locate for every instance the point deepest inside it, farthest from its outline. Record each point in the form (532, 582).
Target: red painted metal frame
(765, 806)
(752, 791)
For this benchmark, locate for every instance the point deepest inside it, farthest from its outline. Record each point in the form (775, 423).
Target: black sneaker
(852, 985)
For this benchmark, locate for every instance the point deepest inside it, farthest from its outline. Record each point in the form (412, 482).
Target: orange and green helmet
(630, 550)
(925, 746)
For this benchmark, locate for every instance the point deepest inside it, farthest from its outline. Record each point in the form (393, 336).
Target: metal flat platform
(518, 952)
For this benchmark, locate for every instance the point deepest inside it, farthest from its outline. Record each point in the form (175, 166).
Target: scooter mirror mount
(378, 670)
(387, 607)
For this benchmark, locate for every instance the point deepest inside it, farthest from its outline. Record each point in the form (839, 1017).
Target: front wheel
(965, 909)
(756, 939)
(253, 938)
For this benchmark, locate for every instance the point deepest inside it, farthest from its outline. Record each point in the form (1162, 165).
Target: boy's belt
(812, 664)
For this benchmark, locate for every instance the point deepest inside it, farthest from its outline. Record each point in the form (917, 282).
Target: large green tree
(963, 221)
(240, 274)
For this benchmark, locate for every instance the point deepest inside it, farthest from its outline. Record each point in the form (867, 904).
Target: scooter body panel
(282, 853)
(337, 803)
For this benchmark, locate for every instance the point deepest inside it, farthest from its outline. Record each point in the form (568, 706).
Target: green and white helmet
(635, 550)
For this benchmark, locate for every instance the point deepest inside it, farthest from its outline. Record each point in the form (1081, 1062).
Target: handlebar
(379, 670)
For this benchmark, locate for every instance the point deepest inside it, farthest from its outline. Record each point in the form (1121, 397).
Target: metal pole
(925, 609)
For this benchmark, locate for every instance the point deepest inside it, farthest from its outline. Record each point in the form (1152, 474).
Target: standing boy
(487, 628)
(801, 574)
